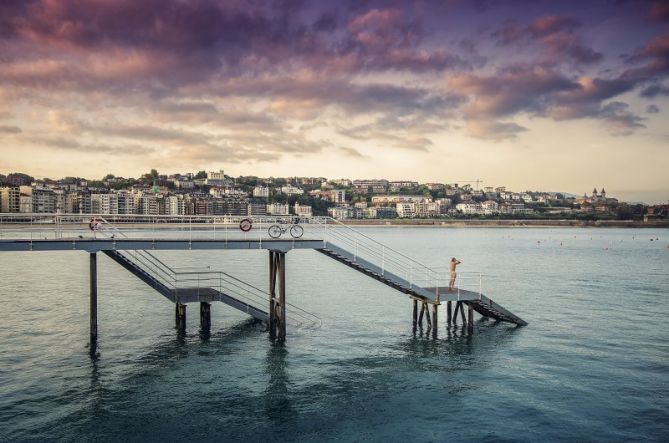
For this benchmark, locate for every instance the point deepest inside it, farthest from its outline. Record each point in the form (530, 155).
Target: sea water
(593, 364)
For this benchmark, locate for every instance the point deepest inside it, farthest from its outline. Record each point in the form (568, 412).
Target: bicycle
(296, 231)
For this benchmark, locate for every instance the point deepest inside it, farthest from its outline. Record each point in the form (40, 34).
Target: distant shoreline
(440, 223)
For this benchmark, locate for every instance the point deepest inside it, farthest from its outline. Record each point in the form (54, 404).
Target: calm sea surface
(593, 364)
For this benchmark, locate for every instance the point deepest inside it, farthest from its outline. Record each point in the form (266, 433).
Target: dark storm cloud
(234, 76)
(655, 90)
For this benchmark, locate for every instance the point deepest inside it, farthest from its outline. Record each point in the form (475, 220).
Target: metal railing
(192, 277)
(224, 228)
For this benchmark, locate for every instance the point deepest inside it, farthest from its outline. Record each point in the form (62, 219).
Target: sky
(532, 95)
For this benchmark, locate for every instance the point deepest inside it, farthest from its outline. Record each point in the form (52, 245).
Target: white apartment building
(469, 208)
(302, 210)
(126, 202)
(9, 199)
(43, 200)
(489, 207)
(340, 212)
(291, 190)
(382, 200)
(278, 209)
(148, 205)
(406, 210)
(337, 196)
(261, 192)
(175, 205)
(104, 203)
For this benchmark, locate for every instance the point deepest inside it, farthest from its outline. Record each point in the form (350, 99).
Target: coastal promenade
(134, 243)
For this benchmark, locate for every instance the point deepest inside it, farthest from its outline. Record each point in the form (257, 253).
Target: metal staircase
(201, 285)
(392, 268)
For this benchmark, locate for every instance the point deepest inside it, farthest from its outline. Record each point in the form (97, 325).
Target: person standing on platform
(454, 263)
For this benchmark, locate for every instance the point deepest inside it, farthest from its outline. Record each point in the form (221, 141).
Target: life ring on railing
(245, 225)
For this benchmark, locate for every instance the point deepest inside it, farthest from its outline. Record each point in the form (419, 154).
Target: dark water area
(593, 364)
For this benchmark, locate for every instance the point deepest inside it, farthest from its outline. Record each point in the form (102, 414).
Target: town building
(261, 192)
(370, 186)
(10, 198)
(291, 190)
(302, 210)
(278, 209)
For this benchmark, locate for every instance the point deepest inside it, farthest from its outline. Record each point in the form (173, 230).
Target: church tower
(594, 193)
(603, 193)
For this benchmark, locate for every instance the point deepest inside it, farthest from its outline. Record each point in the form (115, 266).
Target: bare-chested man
(454, 263)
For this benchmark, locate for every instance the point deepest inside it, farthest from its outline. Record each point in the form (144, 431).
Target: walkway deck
(92, 245)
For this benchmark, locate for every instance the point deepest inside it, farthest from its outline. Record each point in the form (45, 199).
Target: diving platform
(131, 242)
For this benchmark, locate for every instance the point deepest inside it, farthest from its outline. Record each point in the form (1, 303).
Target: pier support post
(449, 314)
(420, 317)
(180, 316)
(435, 310)
(455, 314)
(205, 316)
(470, 317)
(93, 310)
(415, 314)
(277, 305)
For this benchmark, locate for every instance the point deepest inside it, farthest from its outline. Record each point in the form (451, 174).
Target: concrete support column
(449, 313)
(470, 317)
(415, 314)
(435, 311)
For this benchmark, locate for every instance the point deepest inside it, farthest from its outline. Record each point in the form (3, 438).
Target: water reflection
(277, 397)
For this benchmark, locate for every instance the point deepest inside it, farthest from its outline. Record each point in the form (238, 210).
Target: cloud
(551, 24)
(619, 119)
(652, 109)
(517, 90)
(71, 144)
(655, 90)
(351, 152)
(492, 130)
(659, 11)
(10, 130)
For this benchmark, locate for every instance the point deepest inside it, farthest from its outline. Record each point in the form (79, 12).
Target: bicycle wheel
(274, 231)
(296, 231)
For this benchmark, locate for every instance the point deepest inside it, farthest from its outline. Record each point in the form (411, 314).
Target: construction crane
(477, 181)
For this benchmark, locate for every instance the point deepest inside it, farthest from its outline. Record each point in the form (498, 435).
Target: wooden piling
(93, 309)
(427, 316)
(415, 314)
(272, 294)
(449, 314)
(282, 296)
(180, 314)
(462, 312)
(420, 317)
(435, 310)
(455, 314)
(205, 316)
(470, 317)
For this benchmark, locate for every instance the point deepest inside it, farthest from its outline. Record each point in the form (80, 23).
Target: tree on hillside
(201, 175)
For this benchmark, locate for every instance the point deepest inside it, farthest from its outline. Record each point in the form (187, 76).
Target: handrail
(325, 229)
